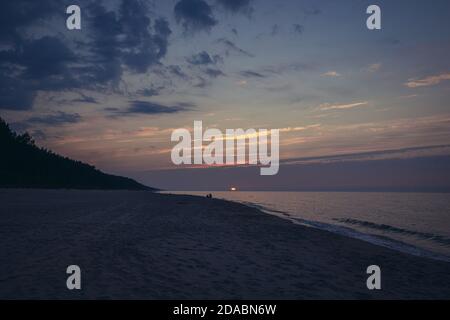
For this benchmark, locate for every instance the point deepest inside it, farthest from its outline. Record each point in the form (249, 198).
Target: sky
(363, 104)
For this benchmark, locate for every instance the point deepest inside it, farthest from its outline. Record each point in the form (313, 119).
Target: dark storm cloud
(194, 15)
(41, 58)
(58, 118)
(18, 14)
(232, 47)
(32, 65)
(150, 108)
(236, 5)
(124, 39)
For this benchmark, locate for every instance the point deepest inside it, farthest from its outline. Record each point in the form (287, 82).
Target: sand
(142, 245)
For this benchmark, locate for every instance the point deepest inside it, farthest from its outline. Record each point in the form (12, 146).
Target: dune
(142, 245)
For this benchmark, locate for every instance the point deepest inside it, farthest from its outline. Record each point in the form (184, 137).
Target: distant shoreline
(318, 190)
(145, 245)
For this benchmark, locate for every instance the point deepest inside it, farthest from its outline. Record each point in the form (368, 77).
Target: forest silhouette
(25, 165)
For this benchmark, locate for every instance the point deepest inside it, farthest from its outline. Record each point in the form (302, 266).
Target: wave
(384, 227)
(371, 238)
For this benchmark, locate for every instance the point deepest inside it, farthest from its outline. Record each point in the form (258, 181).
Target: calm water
(418, 223)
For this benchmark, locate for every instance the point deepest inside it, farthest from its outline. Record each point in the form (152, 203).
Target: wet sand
(142, 245)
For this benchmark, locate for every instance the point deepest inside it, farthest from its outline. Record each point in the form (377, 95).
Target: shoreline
(379, 240)
(374, 239)
(146, 245)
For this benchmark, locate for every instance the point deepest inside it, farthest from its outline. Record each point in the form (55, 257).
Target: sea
(415, 223)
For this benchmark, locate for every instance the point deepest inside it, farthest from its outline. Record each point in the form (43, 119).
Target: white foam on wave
(352, 233)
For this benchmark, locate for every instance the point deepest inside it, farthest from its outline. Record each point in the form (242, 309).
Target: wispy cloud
(331, 74)
(396, 153)
(298, 28)
(251, 74)
(55, 119)
(296, 129)
(203, 58)
(232, 47)
(427, 81)
(327, 106)
(194, 15)
(85, 99)
(150, 108)
(374, 67)
(409, 96)
(380, 135)
(256, 133)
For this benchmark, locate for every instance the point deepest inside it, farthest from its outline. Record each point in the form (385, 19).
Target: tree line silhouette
(25, 165)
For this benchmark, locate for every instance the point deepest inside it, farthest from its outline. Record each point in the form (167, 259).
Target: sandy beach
(142, 245)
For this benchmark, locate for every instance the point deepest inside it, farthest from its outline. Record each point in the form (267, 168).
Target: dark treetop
(24, 165)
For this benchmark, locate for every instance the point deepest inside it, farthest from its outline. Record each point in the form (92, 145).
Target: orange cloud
(327, 106)
(331, 74)
(428, 81)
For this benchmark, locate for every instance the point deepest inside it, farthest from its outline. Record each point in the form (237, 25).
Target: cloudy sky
(111, 93)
